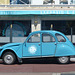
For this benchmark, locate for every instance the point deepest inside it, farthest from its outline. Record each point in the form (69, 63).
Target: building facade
(26, 16)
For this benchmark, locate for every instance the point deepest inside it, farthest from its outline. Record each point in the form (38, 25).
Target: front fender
(14, 49)
(64, 50)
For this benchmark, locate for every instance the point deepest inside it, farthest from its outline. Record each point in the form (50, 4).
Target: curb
(56, 74)
(37, 73)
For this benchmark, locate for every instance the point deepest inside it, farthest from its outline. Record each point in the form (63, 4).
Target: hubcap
(63, 59)
(8, 59)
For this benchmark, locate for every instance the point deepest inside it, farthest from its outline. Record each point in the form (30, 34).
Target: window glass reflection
(72, 1)
(17, 31)
(20, 1)
(49, 2)
(59, 2)
(63, 1)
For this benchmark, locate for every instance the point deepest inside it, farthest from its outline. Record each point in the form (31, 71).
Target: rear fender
(64, 50)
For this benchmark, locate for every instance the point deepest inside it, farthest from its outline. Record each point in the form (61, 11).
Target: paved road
(30, 73)
(40, 65)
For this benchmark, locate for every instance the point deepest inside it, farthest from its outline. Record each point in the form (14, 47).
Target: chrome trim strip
(38, 57)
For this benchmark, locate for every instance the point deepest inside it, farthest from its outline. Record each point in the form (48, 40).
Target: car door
(32, 47)
(48, 45)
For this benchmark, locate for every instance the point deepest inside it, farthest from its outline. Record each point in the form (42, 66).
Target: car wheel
(9, 58)
(63, 60)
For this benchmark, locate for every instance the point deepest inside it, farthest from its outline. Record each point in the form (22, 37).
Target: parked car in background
(39, 44)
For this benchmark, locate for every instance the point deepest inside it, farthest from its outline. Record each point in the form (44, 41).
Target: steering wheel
(62, 40)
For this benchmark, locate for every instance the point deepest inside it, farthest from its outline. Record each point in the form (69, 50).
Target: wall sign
(25, 12)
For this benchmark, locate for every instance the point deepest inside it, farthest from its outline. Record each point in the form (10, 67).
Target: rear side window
(47, 38)
(60, 38)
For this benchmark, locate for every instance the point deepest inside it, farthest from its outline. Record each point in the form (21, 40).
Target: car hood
(10, 45)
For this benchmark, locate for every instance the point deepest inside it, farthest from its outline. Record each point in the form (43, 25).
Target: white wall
(38, 26)
(73, 38)
(14, 39)
(4, 39)
(37, 2)
(69, 1)
(69, 36)
(19, 39)
(56, 2)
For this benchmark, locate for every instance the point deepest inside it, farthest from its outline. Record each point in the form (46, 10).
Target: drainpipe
(11, 33)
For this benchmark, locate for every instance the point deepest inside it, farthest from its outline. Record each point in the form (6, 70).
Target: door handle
(39, 44)
(55, 43)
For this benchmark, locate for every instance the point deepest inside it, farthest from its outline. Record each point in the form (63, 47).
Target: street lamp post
(51, 27)
(11, 33)
(71, 34)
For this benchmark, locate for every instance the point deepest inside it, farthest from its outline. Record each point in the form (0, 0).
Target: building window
(13, 1)
(63, 26)
(72, 1)
(59, 2)
(17, 31)
(20, 30)
(63, 1)
(20, 1)
(43, 1)
(48, 2)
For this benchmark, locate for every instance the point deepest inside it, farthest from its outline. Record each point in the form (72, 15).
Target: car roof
(52, 32)
(48, 31)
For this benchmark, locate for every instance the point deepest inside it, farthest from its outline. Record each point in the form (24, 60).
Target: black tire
(63, 60)
(9, 58)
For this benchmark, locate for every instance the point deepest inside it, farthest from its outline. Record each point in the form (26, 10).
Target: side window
(47, 38)
(34, 38)
(60, 38)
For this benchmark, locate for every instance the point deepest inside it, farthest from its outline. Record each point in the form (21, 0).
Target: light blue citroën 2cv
(37, 45)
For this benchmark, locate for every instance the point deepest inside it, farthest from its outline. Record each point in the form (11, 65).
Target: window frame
(31, 36)
(49, 41)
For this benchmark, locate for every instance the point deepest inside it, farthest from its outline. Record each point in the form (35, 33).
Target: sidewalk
(37, 73)
(43, 73)
(30, 74)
